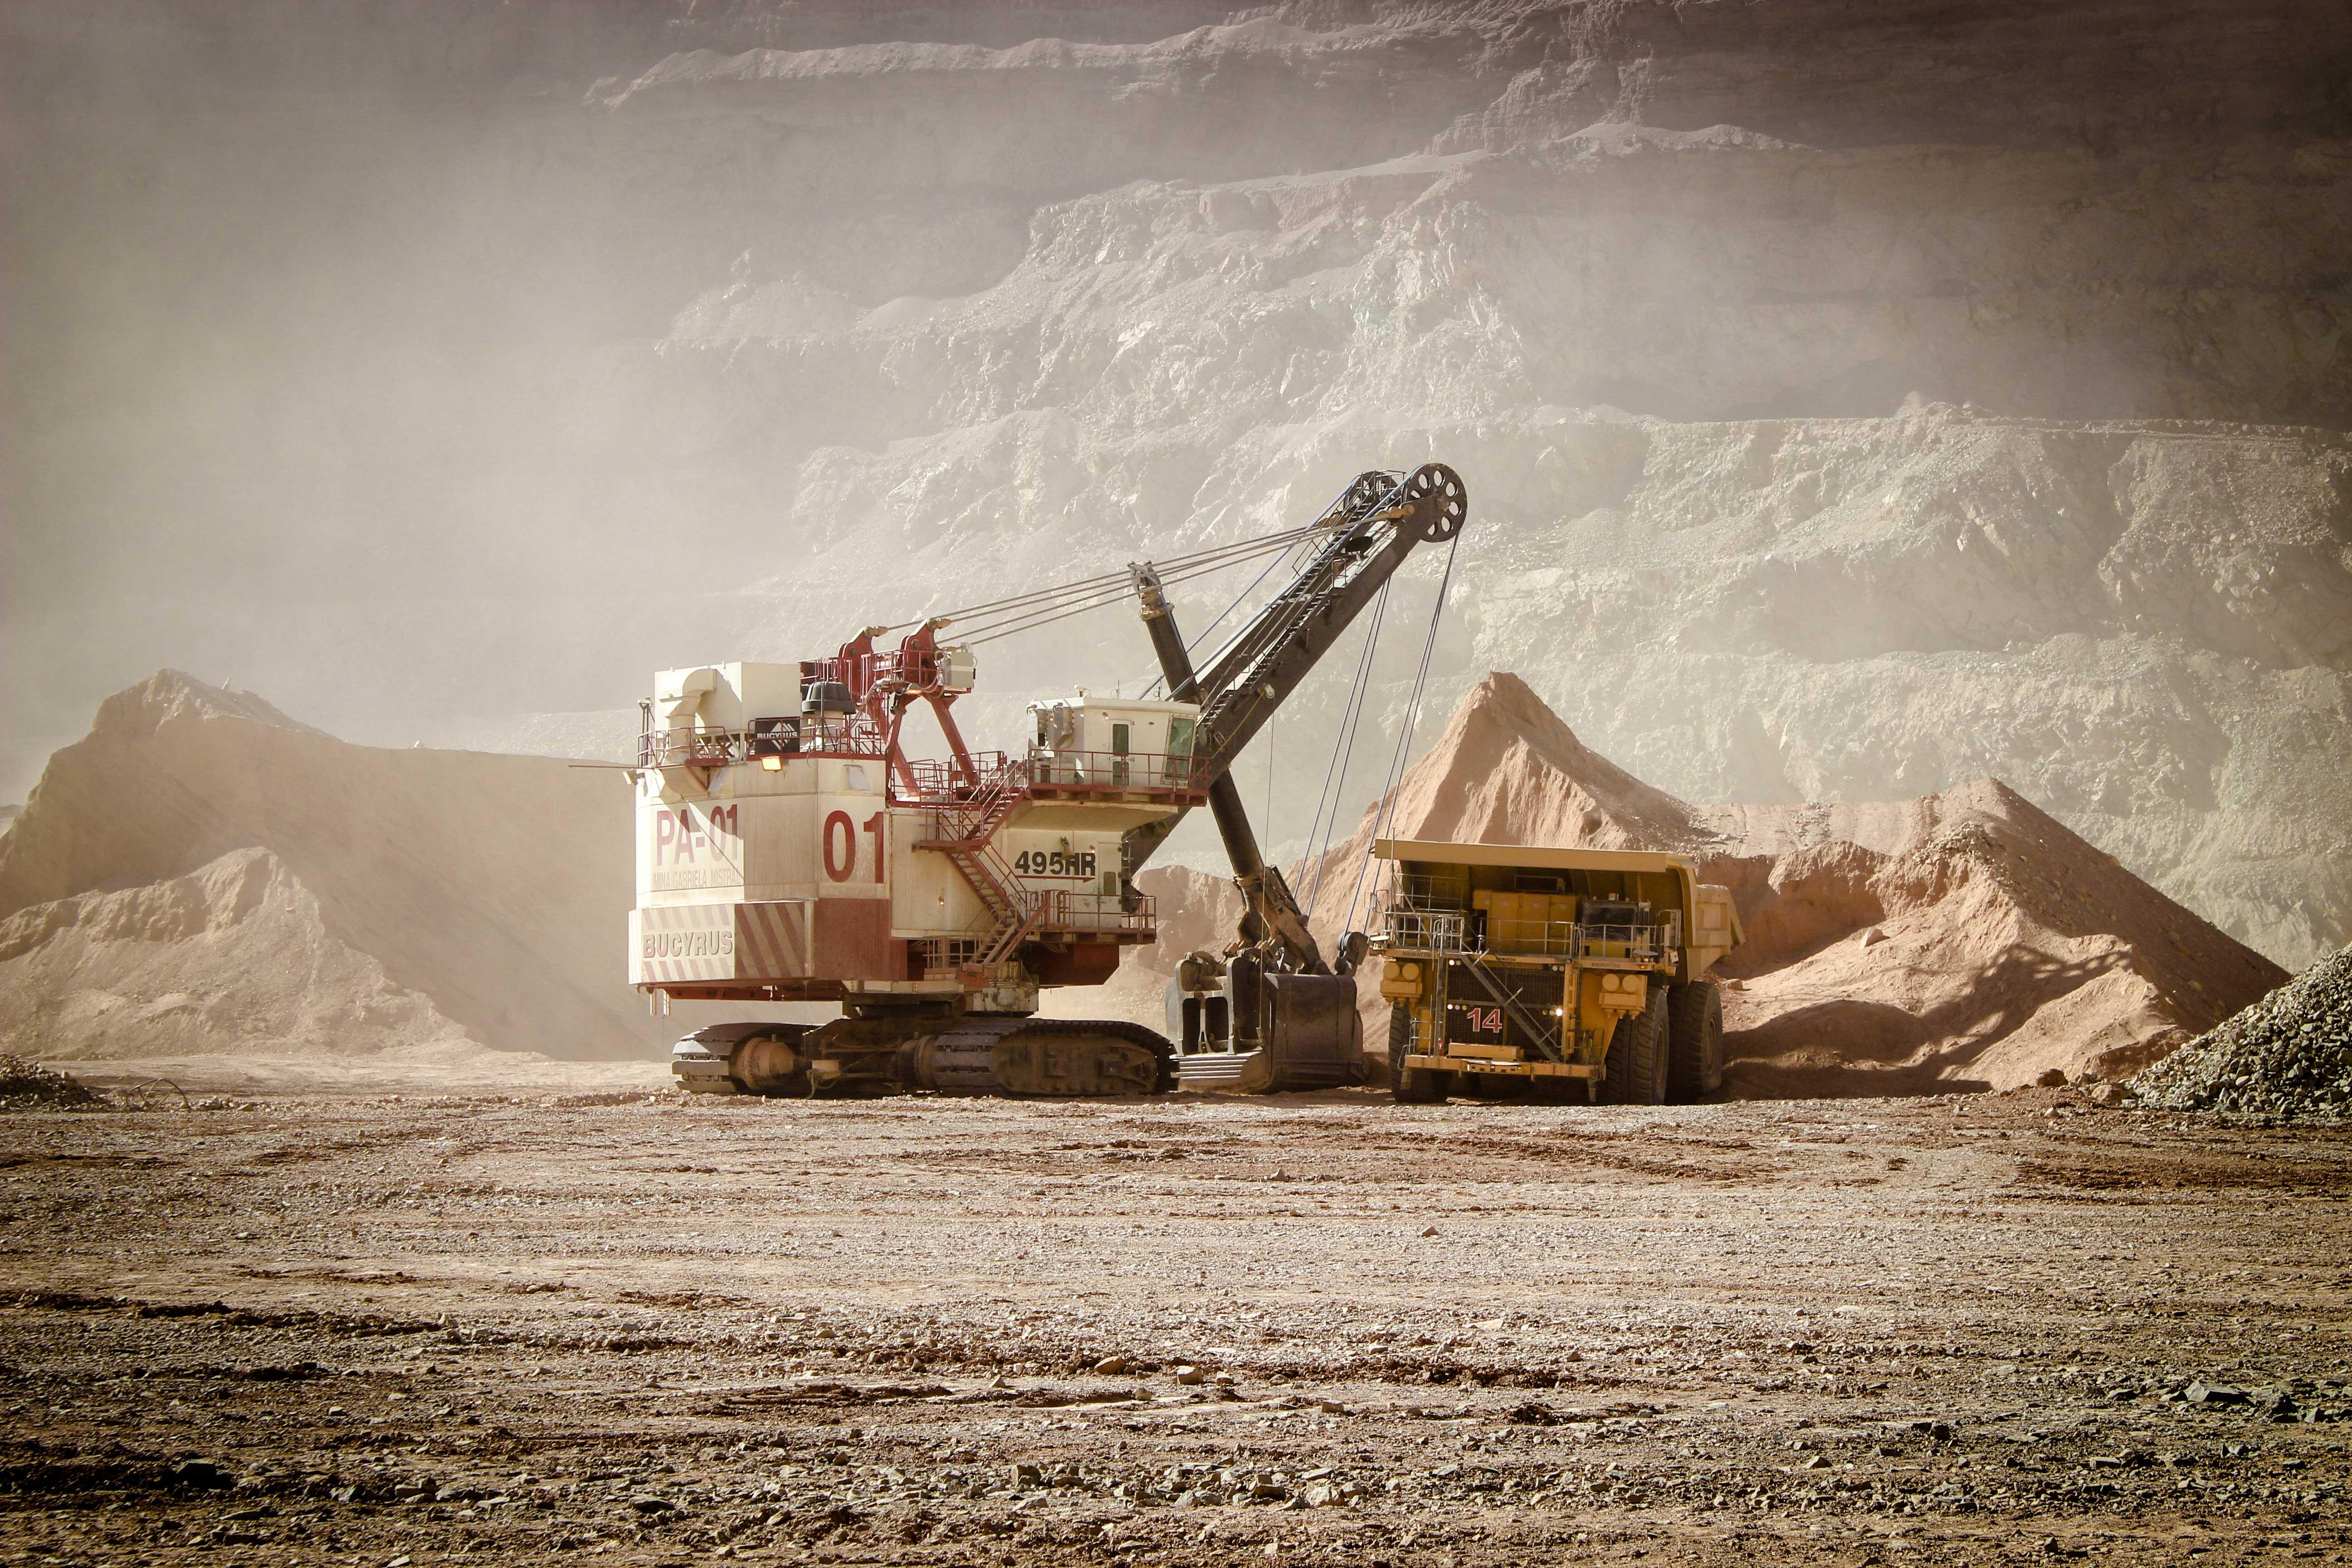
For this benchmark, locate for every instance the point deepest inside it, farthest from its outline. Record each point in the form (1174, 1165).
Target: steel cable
(1394, 781)
(1192, 646)
(1343, 751)
(1009, 623)
(1043, 598)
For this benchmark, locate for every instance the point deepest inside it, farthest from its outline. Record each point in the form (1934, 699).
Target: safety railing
(1406, 928)
(938, 782)
(1520, 934)
(944, 955)
(969, 812)
(714, 748)
(1424, 931)
(1100, 912)
(1062, 913)
(1061, 769)
(694, 747)
(1651, 944)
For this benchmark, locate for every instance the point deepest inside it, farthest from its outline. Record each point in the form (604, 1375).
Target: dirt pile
(2290, 1054)
(233, 958)
(1508, 771)
(1963, 940)
(1966, 939)
(201, 875)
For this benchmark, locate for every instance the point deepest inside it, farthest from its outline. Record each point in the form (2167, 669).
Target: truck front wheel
(1412, 1086)
(1636, 1064)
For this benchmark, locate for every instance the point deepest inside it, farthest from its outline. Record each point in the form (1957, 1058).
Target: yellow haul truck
(1511, 970)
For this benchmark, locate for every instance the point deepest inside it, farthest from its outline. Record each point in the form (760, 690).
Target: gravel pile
(2290, 1054)
(26, 1086)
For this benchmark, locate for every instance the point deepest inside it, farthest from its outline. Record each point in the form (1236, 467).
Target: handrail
(1644, 943)
(1415, 927)
(1425, 931)
(1513, 934)
(939, 783)
(701, 747)
(1059, 768)
(1100, 911)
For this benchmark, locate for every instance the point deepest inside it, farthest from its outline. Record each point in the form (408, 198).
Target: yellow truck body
(1510, 968)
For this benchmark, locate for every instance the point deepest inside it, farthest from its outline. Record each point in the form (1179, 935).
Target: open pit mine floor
(1199, 1330)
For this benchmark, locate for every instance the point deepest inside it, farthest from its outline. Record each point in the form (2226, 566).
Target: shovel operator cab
(1563, 973)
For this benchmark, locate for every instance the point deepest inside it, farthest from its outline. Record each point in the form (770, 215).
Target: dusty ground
(1903, 1331)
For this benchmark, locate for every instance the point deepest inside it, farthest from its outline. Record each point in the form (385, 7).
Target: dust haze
(1907, 481)
(437, 371)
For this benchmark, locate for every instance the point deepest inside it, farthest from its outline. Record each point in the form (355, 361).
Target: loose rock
(2289, 1055)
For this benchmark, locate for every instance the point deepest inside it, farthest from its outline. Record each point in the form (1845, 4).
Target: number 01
(841, 846)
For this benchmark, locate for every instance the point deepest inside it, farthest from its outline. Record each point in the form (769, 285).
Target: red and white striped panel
(771, 940)
(692, 943)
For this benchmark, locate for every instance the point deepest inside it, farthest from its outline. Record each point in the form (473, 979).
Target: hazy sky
(274, 334)
(327, 361)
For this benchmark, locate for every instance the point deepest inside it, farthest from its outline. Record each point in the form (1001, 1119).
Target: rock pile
(27, 1086)
(2290, 1054)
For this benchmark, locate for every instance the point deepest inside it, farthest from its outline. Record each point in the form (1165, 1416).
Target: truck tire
(1412, 1086)
(1695, 1051)
(1637, 1056)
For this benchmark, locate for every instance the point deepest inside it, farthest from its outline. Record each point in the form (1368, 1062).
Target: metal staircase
(964, 830)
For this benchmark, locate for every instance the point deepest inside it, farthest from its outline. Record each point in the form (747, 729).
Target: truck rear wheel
(1637, 1056)
(1694, 1053)
(1412, 1086)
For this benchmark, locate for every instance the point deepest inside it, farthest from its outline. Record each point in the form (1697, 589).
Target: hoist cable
(1246, 628)
(1037, 615)
(1001, 623)
(1393, 784)
(1338, 513)
(1045, 615)
(1343, 750)
(1241, 548)
(1236, 550)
